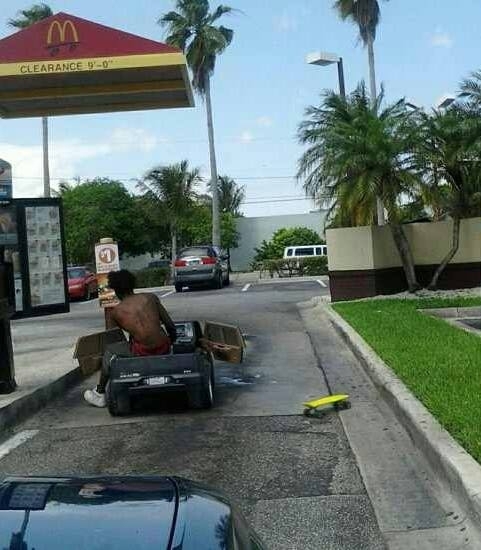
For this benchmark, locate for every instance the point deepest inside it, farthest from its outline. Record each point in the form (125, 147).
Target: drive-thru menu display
(32, 241)
(45, 259)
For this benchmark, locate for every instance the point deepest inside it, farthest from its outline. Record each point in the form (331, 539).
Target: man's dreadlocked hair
(122, 282)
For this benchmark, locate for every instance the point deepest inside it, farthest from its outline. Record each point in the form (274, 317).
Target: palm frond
(30, 16)
(219, 12)
(191, 28)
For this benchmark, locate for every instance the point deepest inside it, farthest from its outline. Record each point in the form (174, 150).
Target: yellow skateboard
(339, 402)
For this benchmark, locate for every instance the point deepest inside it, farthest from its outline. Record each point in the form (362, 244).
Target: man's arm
(166, 320)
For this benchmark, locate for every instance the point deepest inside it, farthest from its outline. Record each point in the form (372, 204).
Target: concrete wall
(350, 248)
(254, 230)
(358, 248)
(430, 241)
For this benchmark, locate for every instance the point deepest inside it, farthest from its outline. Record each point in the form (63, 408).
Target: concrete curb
(454, 466)
(281, 280)
(27, 405)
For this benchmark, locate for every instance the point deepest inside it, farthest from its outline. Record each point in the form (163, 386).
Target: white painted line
(322, 283)
(167, 294)
(246, 288)
(16, 441)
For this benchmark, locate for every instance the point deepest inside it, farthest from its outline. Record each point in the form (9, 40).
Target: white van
(306, 251)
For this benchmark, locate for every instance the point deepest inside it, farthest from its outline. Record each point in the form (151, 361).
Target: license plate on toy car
(157, 380)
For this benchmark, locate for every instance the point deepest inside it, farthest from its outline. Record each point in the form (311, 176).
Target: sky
(261, 87)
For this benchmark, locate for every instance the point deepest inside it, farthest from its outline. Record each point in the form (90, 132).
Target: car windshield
(76, 273)
(270, 212)
(196, 251)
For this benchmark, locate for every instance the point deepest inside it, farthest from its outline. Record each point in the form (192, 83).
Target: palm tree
(356, 154)
(471, 90)
(192, 29)
(450, 141)
(231, 196)
(25, 18)
(365, 14)
(173, 189)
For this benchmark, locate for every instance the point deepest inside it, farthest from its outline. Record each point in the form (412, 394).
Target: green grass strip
(439, 363)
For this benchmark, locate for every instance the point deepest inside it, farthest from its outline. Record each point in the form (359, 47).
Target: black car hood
(87, 513)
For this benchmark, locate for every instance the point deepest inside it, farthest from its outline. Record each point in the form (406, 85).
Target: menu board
(8, 226)
(45, 259)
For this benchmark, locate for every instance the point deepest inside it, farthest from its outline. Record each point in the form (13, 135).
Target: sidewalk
(413, 506)
(44, 364)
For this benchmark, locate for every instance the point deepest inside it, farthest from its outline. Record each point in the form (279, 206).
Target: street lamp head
(445, 101)
(322, 58)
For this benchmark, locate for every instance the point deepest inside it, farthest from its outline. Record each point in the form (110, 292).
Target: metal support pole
(340, 72)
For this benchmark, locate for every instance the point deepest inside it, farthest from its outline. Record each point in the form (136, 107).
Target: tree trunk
(214, 186)
(173, 234)
(46, 169)
(372, 70)
(381, 218)
(402, 244)
(449, 256)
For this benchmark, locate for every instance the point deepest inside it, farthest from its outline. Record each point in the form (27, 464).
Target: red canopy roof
(65, 36)
(66, 65)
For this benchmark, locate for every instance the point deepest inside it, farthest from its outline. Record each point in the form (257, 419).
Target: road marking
(168, 294)
(322, 283)
(16, 441)
(246, 288)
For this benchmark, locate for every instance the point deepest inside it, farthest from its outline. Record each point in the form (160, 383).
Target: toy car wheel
(227, 281)
(203, 396)
(118, 403)
(178, 287)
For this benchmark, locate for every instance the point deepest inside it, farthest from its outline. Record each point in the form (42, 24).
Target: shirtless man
(144, 318)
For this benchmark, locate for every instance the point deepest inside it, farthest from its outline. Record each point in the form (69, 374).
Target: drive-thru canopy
(67, 65)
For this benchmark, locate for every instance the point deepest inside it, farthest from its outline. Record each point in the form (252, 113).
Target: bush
(293, 236)
(314, 266)
(308, 267)
(152, 277)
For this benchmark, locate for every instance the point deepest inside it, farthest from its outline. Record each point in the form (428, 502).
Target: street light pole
(340, 73)
(323, 59)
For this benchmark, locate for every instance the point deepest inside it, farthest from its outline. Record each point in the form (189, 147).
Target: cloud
(123, 139)
(285, 22)
(441, 39)
(264, 122)
(246, 137)
(67, 157)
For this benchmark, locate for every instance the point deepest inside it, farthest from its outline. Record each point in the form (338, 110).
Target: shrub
(152, 277)
(308, 267)
(292, 236)
(314, 266)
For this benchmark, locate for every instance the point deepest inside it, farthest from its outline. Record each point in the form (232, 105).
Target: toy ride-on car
(189, 367)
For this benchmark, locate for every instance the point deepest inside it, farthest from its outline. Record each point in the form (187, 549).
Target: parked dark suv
(201, 265)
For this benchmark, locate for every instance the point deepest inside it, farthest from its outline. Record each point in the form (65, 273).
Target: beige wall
(430, 242)
(373, 247)
(350, 248)
(385, 251)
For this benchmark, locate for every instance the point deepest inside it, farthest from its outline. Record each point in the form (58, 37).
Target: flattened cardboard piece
(224, 341)
(90, 349)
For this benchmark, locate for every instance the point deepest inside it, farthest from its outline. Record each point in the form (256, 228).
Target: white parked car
(305, 251)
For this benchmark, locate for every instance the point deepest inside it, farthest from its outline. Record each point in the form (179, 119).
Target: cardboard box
(90, 349)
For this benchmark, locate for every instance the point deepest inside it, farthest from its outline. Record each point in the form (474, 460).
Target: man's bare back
(142, 316)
